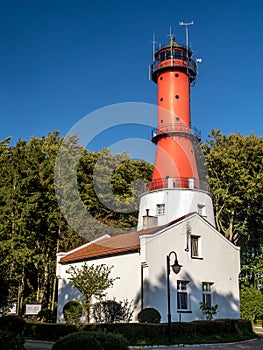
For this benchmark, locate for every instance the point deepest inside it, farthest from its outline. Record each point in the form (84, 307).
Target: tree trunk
(54, 292)
(20, 295)
(86, 304)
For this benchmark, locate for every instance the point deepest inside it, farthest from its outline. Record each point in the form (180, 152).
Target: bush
(208, 310)
(46, 315)
(110, 311)
(10, 340)
(72, 312)
(91, 341)
(49, 331)
(149, 315)
(13, 324)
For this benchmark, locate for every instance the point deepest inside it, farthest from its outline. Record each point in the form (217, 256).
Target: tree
(235, 170)
(32, 225)
(32, 229)
(91, 281)
(251, 303)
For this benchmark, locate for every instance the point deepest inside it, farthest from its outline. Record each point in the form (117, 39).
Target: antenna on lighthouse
(186, 24)
(153, 46)
(171, 34)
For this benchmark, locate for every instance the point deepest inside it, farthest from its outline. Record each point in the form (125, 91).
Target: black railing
(177, 127)
(185, 62)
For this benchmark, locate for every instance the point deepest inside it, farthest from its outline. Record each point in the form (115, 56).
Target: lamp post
(176, 269)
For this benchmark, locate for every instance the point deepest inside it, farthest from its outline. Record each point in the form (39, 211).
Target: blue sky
(63, 59)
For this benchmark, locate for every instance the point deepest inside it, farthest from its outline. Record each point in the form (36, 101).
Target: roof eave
(107, 254)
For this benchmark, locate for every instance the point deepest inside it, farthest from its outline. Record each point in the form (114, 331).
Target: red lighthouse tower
(178, 184)
(174, 70)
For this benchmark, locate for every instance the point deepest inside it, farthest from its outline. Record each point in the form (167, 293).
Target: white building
(176, 218)
(210, 269)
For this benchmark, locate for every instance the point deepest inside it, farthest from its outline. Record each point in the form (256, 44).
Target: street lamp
(176, 269)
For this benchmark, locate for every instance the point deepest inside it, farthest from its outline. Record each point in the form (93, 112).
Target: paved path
(38, 345)
(254, 344)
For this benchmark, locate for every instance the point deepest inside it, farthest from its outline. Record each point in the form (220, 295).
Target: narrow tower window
(177, 97)
(161, 99)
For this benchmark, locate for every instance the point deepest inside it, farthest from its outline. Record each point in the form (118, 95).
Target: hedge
(10, 340)
(139, 332)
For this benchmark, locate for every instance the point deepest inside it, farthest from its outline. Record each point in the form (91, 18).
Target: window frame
(183, 291)
(160, 209)
(201, 209)
(207, 293)
(196, 249)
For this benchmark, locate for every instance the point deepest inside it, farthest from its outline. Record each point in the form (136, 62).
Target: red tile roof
(123, 243)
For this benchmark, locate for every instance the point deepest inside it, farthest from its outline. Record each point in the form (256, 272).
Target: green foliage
(49, 331)
(10, 340)
(13, 324)
(91, 341)
(11, 332)
(149, 315)
(46, 315)
(150, 334)
(72, 312)
(32, 227)
(208, 310)
(91, 281)
(251, 303)
(235, 170)
(111, 311)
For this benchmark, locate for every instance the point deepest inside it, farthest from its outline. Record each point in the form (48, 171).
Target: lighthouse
(179, 181)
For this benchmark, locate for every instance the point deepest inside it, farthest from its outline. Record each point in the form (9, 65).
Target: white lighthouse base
(162, 206)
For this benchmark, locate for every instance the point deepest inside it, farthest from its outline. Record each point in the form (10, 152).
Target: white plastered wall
(178, 202)
(126, 268)
(218, 263)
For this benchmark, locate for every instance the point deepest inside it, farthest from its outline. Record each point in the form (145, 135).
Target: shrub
(149, 315)
(10, 340)
(208, 310)
(251, 303)
(110, 311)
(46, 315)
(91, 341)
(49, 331)
(13, 324)
(72, 312)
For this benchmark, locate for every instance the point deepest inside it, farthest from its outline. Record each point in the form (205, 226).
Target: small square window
(160, 209)
(195, 246)
(201, 210)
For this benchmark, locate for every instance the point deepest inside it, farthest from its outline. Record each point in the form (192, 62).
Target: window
(195, 246)
(182, 295)
(201, 209)
(160, 209)
(207, 292)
